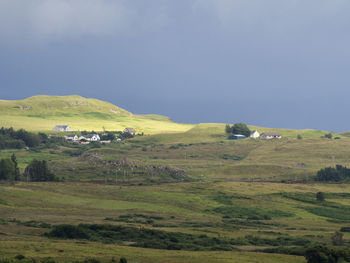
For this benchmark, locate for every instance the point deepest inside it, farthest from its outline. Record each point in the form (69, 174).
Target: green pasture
(178, 207)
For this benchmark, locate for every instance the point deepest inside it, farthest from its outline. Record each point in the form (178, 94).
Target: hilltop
(41, 113)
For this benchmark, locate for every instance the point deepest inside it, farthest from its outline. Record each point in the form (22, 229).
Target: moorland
(178, 193)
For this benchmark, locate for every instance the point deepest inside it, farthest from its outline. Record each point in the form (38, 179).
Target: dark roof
(90, 135)
(271, 134)
(129, 130)
(61, 126)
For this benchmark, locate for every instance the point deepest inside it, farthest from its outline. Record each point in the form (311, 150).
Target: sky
(272, 63)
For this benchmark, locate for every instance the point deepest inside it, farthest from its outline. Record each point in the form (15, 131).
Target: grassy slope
(199, 150)
(75, 203)
(41, 113)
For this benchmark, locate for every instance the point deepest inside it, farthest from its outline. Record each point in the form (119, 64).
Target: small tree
(228, 128)
(337, 239)
(16, 173)
(328, 135)
(319, 255)
(7, 169)
(320, 197)
(299, 137)
(123, 260)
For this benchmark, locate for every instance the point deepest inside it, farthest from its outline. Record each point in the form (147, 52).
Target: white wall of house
(255, 135)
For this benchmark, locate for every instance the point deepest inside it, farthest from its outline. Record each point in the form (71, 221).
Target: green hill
(41, 113)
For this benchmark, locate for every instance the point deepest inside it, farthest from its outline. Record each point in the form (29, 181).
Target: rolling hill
(41, 113)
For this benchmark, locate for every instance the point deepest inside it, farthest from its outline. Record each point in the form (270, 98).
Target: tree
(337, 239)
(123, 260)
(107, 136)
(17, 173)
(320, 196)
(319, 255)
(228, 128)
(38, 171)
(241, 128)
(299, 137)
(7, 169)
(328, 135)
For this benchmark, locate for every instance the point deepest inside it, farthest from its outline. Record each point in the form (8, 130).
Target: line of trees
(36, 171)
(335, 174)
(18, 139)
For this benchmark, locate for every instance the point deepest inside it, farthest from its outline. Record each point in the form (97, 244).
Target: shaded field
(254, 215)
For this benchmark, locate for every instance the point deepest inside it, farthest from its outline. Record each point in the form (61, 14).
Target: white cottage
(71, 137)
(92, 137)
(254, 134)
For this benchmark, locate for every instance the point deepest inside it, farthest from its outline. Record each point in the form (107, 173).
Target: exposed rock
(23, 107)
(78, 103)
(114, 111)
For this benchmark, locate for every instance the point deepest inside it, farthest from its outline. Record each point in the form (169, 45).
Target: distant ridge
(53, 105)
(42, 112)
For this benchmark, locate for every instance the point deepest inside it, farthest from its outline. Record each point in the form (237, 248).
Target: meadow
(42, 113)
(211, 199)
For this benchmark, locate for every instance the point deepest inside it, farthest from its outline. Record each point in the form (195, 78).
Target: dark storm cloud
(281, 63)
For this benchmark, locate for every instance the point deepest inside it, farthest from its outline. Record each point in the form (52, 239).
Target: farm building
(91, 137)
(62, 128)
(130, 130)
(236, 137)
(270, 135)
(254, 134)
(71, 137)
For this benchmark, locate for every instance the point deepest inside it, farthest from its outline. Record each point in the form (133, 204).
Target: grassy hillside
(42, 113)
(257, 194)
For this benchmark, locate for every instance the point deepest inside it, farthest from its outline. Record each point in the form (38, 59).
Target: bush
(345, 229)
(320, 197)
(337, 239)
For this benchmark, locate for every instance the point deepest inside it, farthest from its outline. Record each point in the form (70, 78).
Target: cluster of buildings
(256, 135)
(82, 138)
(86, 138)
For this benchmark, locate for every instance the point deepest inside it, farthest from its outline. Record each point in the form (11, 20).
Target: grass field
(257, 194)
(178, 205)
(42, 113)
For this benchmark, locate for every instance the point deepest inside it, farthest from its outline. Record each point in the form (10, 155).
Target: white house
(92, 137)
(270, 135)
(62, 128)
(254, 134)
(71, 137)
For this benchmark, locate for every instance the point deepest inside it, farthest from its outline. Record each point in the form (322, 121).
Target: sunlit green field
(42, 113)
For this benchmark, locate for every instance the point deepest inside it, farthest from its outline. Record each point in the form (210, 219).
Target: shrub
(337, 239)
(320, 197)
(345, 229)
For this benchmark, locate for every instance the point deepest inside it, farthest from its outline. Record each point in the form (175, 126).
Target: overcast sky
(275, 63)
